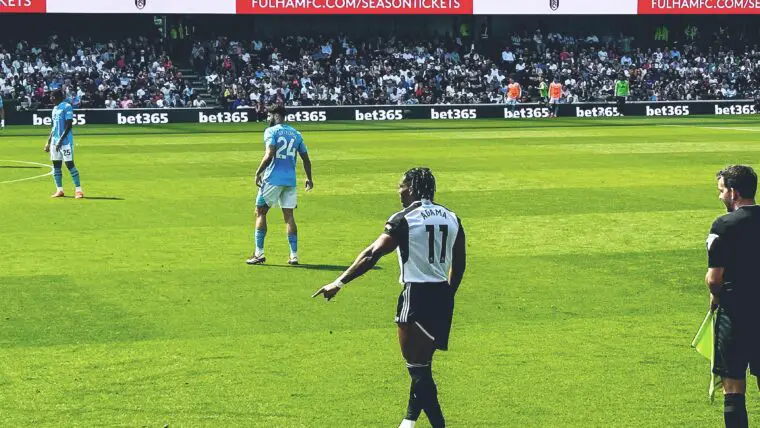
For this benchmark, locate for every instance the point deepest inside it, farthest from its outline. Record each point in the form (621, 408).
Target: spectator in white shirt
(507, 57)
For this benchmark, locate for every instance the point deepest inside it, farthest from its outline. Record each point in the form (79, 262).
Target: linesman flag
(703, 343)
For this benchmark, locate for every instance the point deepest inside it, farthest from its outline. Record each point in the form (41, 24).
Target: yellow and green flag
(703, 343)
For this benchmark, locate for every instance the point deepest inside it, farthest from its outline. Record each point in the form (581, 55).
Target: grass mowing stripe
(586, 245)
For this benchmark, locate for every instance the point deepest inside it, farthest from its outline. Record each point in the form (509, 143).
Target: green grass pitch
(584, 287)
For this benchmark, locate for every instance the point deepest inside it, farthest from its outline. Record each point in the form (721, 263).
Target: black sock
(426, 394)
(735, 411)
(414, 407)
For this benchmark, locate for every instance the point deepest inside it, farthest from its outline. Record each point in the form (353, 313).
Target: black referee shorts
(736, 343)
(430, 305)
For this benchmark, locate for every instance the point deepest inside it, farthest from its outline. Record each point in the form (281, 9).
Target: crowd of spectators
(298, 70)
(322, 71)
(131, 73)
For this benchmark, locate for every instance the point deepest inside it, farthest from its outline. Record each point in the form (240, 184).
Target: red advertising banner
(356, 7)
(704, 7)
(387, 7)
(23, 6)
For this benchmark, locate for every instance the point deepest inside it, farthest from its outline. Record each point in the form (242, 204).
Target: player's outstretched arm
(265, 161)
(366, 260)
(458, 260)
(307, 168)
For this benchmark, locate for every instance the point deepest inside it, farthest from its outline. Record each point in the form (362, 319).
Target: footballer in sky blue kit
(276, 179)
(61, 144)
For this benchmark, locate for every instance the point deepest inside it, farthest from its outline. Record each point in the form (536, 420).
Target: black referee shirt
(734, 244)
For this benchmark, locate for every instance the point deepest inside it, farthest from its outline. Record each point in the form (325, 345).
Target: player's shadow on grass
(334, 268)
(100, 198)
(21, 167)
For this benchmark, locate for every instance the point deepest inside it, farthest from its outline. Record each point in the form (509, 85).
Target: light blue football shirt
(61, 113)
(287, 142)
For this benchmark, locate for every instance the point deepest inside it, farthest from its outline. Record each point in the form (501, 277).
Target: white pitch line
(719, 128)
(28, 178)
(732, 129)
(729, 128)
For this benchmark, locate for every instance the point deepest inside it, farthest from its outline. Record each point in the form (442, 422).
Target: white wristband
(338, 283)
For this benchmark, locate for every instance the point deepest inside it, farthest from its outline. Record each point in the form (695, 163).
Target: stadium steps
(199, 85)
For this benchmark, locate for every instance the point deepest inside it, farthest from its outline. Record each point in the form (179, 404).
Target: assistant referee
(622, 90)
(733, 276)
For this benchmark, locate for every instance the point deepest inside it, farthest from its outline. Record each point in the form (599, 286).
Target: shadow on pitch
(21, 167)
(332, 268)
(105, 198)
(99, 198)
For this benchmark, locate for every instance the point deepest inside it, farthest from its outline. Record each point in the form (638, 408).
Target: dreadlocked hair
(421, 183)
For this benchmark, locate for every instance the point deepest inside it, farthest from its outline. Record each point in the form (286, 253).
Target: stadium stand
(130, 73)
(308, 71)
(138, 72)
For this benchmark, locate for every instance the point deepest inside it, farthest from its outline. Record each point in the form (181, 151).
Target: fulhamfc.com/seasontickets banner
(375, 7)
(380, 7)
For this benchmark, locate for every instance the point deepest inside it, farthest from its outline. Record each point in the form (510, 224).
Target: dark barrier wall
(390, 113)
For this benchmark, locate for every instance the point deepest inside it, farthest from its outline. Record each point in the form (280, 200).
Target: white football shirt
(425, 233)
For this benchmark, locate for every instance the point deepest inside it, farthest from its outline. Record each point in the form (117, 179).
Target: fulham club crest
(554, 4)
(141, 3)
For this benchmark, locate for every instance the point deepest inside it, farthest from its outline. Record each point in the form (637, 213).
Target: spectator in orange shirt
(514, 92)
(555, 93)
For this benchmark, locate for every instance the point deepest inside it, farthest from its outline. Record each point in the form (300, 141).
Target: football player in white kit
(430, 243)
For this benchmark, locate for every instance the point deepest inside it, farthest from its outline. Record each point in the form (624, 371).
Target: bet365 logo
(141, 3)
(554, 4)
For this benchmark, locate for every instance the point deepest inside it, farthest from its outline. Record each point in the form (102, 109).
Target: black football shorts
(429, 305)
(736, 343)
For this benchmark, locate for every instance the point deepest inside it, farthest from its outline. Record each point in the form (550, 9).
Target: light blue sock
(260, 235)
(58, 177)
(293, 241)
(75, 176)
